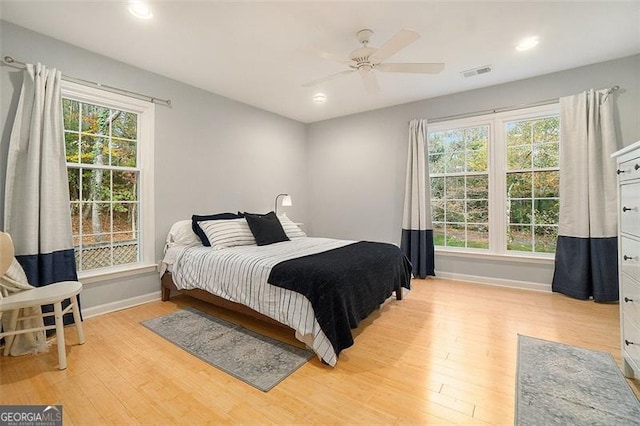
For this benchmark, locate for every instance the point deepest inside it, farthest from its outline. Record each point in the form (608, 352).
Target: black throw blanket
(345, 285)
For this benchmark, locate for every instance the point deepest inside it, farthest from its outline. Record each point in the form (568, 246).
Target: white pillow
(228, 233)
(291, 229)
(182, 234)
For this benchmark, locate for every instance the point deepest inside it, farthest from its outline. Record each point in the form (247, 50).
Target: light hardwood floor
(446, 354)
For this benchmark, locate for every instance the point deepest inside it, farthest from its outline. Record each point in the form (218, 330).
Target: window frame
(497, 172)
(145, 165)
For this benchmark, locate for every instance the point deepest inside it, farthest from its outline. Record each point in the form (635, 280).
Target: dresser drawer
(630, 257)
(629, 170)
(630, 208)
(630, 300)
(631, 340)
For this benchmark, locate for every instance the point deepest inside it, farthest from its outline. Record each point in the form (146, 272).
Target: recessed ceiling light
(527, 43)
(319, 98)
(140, 10)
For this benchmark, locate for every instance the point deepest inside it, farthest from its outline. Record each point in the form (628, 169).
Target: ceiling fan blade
(370, 81)
(395, 44)
(434, 68)
(323, 54)
(327, 78)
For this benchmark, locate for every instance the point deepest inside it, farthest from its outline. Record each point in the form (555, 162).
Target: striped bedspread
(240, 274)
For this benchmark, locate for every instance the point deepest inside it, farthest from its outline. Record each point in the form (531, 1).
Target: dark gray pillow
(266, 228)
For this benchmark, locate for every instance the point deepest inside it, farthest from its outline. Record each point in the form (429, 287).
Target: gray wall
(357, 163)
(212, 154)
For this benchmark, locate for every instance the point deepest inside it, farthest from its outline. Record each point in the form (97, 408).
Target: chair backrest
(6, 252)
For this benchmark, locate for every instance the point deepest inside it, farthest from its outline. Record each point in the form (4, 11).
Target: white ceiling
(259, 53)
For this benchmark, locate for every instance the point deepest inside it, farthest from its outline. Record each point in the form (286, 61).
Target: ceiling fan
(366, 60)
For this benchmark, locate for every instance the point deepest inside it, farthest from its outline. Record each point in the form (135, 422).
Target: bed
(319, 287)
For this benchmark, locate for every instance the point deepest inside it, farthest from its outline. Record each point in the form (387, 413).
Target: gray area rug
(255, 359)
(563, 384)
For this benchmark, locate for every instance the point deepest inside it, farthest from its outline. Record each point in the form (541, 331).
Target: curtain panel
(587, 249)
(37, 213)
(417, 229)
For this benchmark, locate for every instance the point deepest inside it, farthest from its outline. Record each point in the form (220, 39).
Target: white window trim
(496, 165)
(145, 161)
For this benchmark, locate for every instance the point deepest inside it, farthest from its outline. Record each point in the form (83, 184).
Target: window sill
(89, 277)
(541, 259)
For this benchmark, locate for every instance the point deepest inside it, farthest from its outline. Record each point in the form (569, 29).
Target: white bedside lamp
(286, 201)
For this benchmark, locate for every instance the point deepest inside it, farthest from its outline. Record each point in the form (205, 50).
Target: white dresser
(628, 170)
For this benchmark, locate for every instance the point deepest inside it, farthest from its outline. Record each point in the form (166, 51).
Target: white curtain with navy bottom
(417, 229)
(37, 213)
(587, 248)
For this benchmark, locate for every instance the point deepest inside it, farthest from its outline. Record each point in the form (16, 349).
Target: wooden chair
(51, 294)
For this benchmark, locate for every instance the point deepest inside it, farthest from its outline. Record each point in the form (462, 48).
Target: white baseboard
(106, 308)
(498, 282)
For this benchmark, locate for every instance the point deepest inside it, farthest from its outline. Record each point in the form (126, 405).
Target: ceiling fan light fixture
(140, 10)
(319, 98)
(527, 43)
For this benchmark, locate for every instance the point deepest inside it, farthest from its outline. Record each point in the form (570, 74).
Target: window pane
(96, 185)
(520, 211)
(125, 186)
(547, 211)
(437, 211)
(437, 187)
(96, 221)
(546, 130)
(455, 188)
(478, 186)
(95, 119)
(74, 184)
(519, 158)
(454, 140)
(478, 211)
(518, 133)
(455, 211)
(519, 238)
(71, 146)
(123, 153)
(93, 257)
(436, 142)
(519, 185)
(436, 163)
(547, 184)
(546, 238)
(477, 160)
(125, 224)
(71, 114)
(438, 234)
(124, 125)
(478, 236)
(94, 149)
(75, 219)
(455, 235)
(546, 155)
(454, 162)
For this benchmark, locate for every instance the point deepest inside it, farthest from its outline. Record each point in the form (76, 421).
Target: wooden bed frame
(168, 286)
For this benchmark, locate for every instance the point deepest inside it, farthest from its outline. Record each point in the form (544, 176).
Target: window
(495, 182)
(460, 186)
(109, 162)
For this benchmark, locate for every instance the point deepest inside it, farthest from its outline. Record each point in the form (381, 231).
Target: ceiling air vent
(476, 71)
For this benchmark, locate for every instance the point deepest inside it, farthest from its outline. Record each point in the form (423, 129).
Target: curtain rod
(505, 109)
(17, 64)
